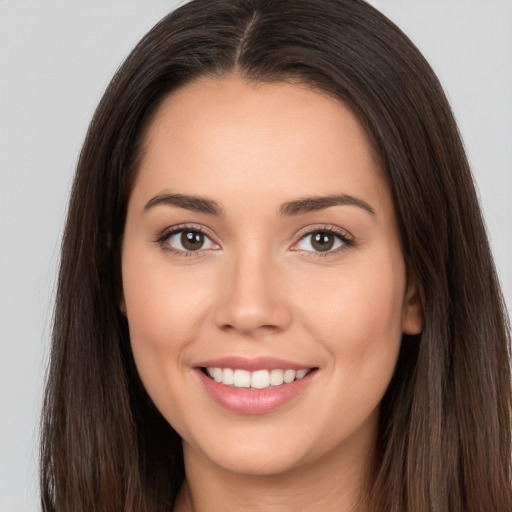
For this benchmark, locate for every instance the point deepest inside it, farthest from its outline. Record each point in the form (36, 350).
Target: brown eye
(192, 240)
(188, 240)
(322, 241)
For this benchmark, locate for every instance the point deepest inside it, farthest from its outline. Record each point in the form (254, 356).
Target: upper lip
(252, 364)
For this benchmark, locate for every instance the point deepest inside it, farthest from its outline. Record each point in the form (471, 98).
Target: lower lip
(254, 401)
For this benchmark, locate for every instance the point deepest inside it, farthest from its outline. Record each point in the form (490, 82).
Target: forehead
(218, 135)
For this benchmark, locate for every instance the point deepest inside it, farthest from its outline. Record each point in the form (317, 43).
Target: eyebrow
(192, 203)
(291, 208)
(313, 204)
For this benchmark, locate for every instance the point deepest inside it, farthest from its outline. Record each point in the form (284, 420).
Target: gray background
(56, 58)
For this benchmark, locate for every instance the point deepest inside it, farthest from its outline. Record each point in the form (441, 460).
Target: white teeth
(289, 376)
(217, 374)
(260, 379)
(276, 377)
(242, 379)
(228, 376)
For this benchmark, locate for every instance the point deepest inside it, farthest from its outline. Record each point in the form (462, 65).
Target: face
(263, 279)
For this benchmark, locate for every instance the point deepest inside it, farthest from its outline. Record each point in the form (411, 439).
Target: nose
(252, 297)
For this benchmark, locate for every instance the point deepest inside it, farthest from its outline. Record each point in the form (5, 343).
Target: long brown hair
(445, 427)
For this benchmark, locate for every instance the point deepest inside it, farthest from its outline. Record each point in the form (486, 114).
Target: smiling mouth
(259, 379)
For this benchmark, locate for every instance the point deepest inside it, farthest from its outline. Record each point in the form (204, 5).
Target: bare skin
(222, 258)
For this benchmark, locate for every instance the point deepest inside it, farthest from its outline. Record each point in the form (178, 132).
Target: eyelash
(345, 239)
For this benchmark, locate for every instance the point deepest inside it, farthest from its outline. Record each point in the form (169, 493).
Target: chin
(256, 463)
(249, 452)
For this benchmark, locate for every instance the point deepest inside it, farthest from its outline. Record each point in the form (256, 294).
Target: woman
(276, 289)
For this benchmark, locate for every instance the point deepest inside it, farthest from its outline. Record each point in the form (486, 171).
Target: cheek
(357, 316)
(164, 308)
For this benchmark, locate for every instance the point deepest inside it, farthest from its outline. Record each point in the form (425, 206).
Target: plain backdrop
(56, 58)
